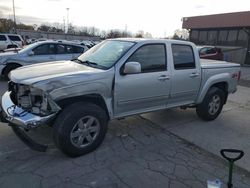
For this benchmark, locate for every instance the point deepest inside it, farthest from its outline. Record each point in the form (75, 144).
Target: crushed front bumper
(19, 117)
(21, 121)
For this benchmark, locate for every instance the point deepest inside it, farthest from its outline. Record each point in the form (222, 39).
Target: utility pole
(64, 29)
(14, 14)
(67, 19)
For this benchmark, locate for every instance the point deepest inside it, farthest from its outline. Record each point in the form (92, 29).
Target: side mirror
(31, 53)
(132, 68)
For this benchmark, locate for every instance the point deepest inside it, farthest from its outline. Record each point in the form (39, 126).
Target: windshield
(107, 53)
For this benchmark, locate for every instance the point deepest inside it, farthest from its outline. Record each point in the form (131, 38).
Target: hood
(50, 71)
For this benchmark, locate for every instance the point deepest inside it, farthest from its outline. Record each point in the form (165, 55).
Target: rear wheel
(80, 128)
(211, 105)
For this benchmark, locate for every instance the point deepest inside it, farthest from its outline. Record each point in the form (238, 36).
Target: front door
(186, 76)
(42, 53)
(145, 91)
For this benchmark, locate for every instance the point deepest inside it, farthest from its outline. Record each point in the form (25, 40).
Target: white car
(10, 41)
(37, 53)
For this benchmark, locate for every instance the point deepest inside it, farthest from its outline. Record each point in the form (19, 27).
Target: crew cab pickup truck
(114, 79)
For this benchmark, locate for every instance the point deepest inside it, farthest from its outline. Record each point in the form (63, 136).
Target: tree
(43, 27)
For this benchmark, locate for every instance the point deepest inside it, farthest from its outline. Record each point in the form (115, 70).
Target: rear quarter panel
(211, 76)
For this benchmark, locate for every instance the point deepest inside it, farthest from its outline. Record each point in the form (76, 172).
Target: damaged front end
(25, 108)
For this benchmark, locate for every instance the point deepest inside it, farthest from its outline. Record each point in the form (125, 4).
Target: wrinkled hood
(52, 71)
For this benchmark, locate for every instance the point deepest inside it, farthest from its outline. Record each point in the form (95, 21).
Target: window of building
(183, 56)
(232, 37)
(194, 36)
(152, 57)
(212, 37)
(222, 37)
(203, 37)
(242, 38)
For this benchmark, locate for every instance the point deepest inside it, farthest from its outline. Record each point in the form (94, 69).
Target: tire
(211, 105)
(9, 68)
(80, 128)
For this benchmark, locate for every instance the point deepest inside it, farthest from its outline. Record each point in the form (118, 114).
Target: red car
(210, 52)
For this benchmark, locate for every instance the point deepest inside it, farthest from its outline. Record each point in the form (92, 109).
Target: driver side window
(152, 57)
(44, 49)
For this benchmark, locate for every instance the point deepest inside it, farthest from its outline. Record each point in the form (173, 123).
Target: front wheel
(80, 128)
(211, 105)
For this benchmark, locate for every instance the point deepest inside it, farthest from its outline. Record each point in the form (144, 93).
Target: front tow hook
(27, 140)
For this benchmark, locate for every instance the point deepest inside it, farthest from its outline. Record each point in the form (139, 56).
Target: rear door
(64, 52)
(186, 75)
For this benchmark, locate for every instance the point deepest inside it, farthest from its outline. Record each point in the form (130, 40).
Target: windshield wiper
(90, 63)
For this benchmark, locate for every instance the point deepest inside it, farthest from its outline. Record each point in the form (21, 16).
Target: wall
(50, 35)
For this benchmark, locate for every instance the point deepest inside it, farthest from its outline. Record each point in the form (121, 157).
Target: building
(230, 31)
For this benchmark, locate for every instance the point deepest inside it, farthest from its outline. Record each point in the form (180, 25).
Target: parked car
(30, 40)
(210, 52)
(37, 53)
(10, 41)
(114, 79)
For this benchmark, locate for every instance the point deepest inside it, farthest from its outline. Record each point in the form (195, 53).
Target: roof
(226, 20)
(150, 40)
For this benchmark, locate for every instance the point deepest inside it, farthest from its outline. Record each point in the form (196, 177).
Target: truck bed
(208, 64)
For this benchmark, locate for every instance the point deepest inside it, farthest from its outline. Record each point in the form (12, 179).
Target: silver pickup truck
(114, 79)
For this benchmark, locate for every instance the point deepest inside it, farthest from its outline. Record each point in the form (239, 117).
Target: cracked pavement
(135, 153)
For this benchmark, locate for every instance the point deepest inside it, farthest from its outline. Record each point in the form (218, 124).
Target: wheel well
(92, 98)
(224, 87)
(10, 64)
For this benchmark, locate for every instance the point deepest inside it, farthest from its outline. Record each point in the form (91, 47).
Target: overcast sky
(159, 17)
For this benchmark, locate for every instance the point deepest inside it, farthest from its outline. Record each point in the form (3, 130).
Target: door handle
(194, 74)
(164, 77)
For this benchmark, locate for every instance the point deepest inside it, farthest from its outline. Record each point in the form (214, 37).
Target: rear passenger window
(69, 49)
(78, 50)
(14, 38)
(60, 49)
(183, 56)
(2, 38)
(152, 57)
